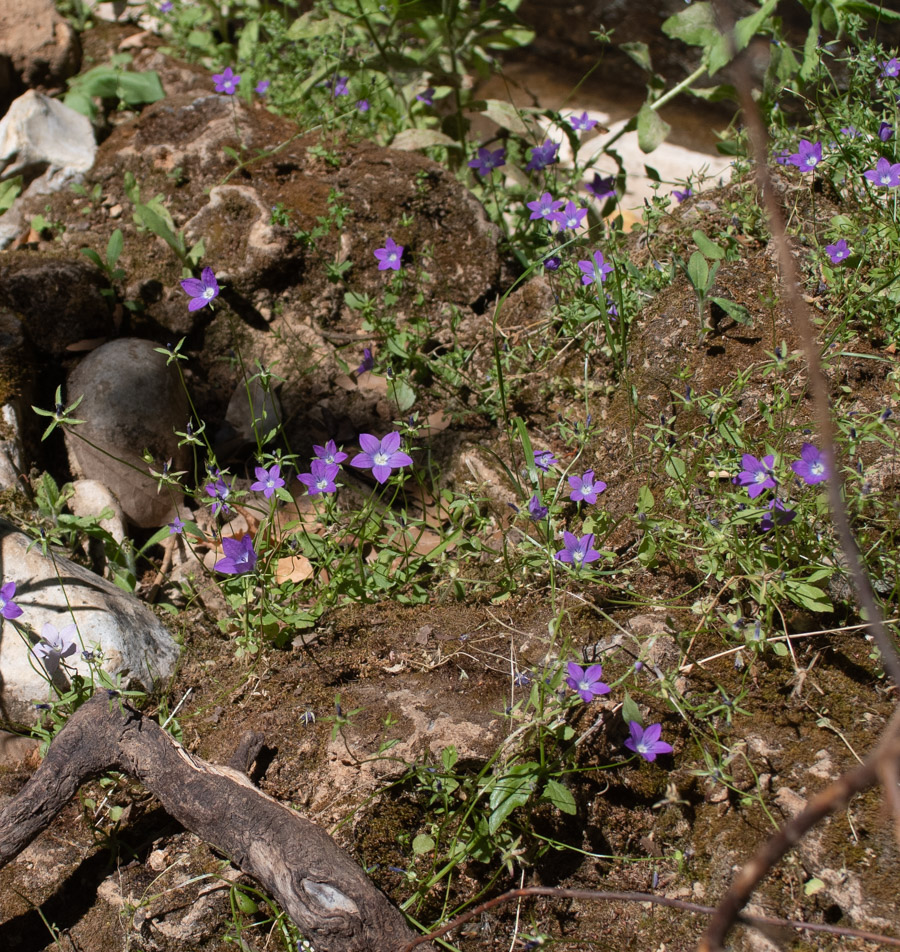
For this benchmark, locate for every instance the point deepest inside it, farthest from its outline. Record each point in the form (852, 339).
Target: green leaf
(422, 844)
(645, 500)
(737, 312)
(747, 27)
(675, 467)
(698, 272)
(709, 248)
(9, 192)
(560, 796)
(808, 596)
(639, 53)
(511, 791)
(695, 26)
(449, 756)
(652, 128)
(630, 711)
(114, 248)
(92, 255)
(864, 8)
(505, 114)
(410, 139)
(402, 394)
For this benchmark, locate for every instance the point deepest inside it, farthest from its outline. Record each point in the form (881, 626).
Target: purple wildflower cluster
(587, 684)
(54, 646)
(758, 475)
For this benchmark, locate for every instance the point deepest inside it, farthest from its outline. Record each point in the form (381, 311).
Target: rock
(90, 498)
(251, 411)
(57, 299)
(133, 403)
(12, 452)
(135, 645)
(14, 748)
(48, 144)
(38, 47)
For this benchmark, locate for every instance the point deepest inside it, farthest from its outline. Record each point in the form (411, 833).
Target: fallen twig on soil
(613, 896)
(321, 888)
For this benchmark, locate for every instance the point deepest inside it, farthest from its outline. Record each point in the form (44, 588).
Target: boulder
(133, 403)
(135, 645)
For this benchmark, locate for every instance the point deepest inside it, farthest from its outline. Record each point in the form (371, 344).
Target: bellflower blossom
(487, 161)
(646, 742)
(8, 608)
(367, 362)
(240, 556)
(389, 256)
(542, 156)
(201, 290)
(54, 646)
(552, 263)
(381, 456)
(812, 467)
(808, 156)
(778, 514)
(362, 105)
(838, 252)
(585, 488)
(890, 69)
(329, 453)
(757, 475)
(680, 196)
(339, 86)
(578, 552)
(544, 207)
(544, 459)
(571, 217)
(320, 478)
(582, 123)
(426, 96)
(536, 509)
(884, 174)
(267, 480)
(226, 82)
(220, 492)
(601, 188)
(176, 526)
(596, 270)
(885, 131)
(262, 87)
(586, 681)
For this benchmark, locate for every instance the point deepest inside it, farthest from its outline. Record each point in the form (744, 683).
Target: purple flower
(885, 131)
(582, 123)
(838, 252)
(778, 514)
(226, 82)
(426, 96)
(54, 646)
(201, 290)
(339, 86)
(578, 551)
(544, 459)
(536, 509)
(220, 493)
(381, 456)
(267, 480)
(757, 475)
(389, 256)
(595, 271)
(552, 263)
(884, 174)
(240, 556)
(808, 156)
(681, 196)
(812, 467)
(176, 526)
(586, 682)
(329, 453)
(646, 742)
(850, 131)
(783, 157)
(487, 161)
(362, 105)
(542, 156)
(262, 87)
(166, 6)
(320, 478)
(368, 361)
(544, 206)
(570, 217)
(8, 608)
(890, 69)
(585, 489)
(601, 188)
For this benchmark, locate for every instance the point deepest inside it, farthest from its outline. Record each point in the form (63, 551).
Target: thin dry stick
(613, 896)
(888, 748)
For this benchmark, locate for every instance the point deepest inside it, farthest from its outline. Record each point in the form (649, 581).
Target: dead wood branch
(331, 900)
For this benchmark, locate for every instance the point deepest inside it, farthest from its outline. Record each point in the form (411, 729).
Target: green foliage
(112, 82)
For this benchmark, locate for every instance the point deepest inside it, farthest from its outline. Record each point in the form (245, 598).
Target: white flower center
(322, 483)
(885, 180)
(811, 160)
(584, 685)
(380, 458)
(817, 469)
(761, 477)
(209, 293)
(578, 556)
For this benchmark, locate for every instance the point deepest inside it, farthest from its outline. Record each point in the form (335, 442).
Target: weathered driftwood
(321, 888)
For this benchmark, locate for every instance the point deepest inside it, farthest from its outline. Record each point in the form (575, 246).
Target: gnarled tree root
(333, 903)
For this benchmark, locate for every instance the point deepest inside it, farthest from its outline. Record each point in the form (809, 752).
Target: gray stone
(135, 645)
(133, 403)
